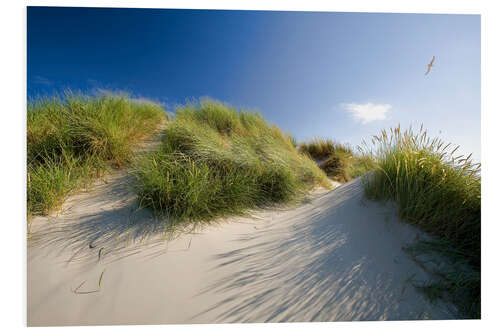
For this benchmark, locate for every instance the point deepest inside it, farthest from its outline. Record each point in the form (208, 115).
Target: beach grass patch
(216, 161)
(337, 160)
(436, 191)
(74, 138)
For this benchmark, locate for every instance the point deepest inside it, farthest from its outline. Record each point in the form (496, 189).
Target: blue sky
(340, 75)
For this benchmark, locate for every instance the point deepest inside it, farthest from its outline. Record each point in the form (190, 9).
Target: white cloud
(368, 112)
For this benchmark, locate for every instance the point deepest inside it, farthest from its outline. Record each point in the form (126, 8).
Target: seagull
(430, 65)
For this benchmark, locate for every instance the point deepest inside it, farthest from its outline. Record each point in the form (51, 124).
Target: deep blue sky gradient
(296, 68)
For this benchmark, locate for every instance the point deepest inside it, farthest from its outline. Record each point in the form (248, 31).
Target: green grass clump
(433, 189)
(320, 149)
(71, 140)
(217, 161)
(337, 160)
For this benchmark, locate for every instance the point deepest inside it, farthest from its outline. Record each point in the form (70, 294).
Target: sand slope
(333, 257)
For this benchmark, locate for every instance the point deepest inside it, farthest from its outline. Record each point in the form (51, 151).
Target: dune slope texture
(73, 139)
(333, 257)
(217, 161)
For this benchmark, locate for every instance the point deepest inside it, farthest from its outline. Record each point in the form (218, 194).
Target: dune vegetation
(216, 160)
(337, 160)
(73, 139)
(441, 194)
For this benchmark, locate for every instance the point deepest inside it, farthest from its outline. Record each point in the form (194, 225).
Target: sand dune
(334, 257)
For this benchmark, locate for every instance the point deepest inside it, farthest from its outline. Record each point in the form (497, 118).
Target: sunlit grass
(73, 139)
(320, 148)
(337, 160)
(217, 161)
(434, 190)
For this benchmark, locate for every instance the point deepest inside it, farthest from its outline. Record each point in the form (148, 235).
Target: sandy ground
(334, 257)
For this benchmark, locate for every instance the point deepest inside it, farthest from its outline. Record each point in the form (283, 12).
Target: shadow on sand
(336, 257)
(323, 264)
(105, 223)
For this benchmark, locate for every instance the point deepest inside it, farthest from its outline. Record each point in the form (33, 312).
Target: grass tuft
(217, 161)
(73, 139)
(320, 149)
(337, 160)
(435, 191)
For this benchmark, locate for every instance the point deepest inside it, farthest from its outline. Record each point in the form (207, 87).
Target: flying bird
(430, 65)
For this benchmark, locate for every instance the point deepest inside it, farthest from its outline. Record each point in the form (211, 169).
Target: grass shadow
(321, 268)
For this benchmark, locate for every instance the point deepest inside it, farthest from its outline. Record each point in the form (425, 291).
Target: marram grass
(436, 191)
(217, 161)
(73, 139)
(320, 148)
(337, 160)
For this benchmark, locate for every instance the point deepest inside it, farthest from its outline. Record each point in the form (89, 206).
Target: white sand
(334, 257)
